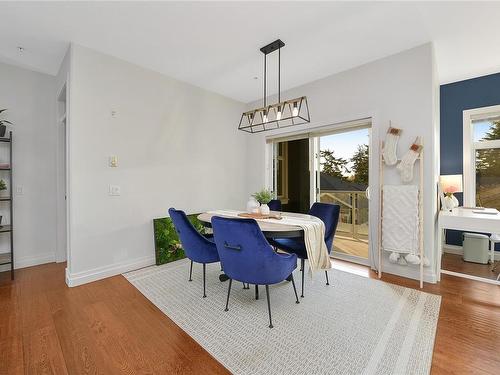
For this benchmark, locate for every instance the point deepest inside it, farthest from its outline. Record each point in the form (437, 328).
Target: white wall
(436, 160)
(29, 97)
(177, 145)
(400, 88)
(62, 82)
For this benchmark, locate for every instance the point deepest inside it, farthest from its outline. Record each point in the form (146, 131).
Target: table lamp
(450, 184)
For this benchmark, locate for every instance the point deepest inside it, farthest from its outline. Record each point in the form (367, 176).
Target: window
(487, 161)
(482, 157)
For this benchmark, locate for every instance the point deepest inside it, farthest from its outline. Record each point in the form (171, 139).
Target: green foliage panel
(168, 247)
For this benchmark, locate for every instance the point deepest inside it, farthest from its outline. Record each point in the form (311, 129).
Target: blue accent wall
(455, 98)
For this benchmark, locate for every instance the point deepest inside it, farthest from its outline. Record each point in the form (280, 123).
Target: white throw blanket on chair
(400, 219)
(314, 239)
(314, 236)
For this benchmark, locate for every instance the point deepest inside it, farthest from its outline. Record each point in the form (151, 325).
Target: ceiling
(215, 45)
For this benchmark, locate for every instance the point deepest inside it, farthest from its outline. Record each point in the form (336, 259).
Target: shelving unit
(8, 257)
(420, 160)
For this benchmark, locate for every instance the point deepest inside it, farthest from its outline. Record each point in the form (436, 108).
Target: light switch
(19, 190)
(113, 161)
(114, 190)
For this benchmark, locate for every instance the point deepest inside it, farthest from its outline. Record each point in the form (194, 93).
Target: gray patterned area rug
(354, 326)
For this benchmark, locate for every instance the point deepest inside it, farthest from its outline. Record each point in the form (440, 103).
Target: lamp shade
(276, 116)
(451, 183)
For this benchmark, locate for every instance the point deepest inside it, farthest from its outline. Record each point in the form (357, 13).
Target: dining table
(271, 227)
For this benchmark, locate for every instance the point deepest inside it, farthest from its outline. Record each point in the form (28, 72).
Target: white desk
(464, 220)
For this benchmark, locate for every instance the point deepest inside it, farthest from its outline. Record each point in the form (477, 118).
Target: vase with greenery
(264, 197)
(3, 124)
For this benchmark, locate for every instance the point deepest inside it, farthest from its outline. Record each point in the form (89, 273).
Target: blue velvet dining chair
(198, 248)
(247, 256)
(275, 205)
(329, 214)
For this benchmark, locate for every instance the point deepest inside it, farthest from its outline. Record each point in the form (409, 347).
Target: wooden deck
(351, 246)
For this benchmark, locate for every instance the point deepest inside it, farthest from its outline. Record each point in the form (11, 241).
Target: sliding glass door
(342, 177)
(331, 167)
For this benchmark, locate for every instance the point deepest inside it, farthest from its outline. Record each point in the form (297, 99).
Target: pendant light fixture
(281, 114)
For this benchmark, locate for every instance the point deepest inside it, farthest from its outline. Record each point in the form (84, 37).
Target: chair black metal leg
(303, 269)
(256, 292)
(204, 279)
(190, 271)
(269, 306)
(228, 293)
(326, 274)
(295, 289)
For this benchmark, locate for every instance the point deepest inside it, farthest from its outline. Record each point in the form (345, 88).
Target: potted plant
(3, 124)
(264, 197)
(3, 185)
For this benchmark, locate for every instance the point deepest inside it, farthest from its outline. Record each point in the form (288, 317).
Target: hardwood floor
(455, 263)
(108, 327)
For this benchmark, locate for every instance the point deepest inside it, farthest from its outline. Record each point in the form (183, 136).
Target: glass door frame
(316, 189)
(314, 169)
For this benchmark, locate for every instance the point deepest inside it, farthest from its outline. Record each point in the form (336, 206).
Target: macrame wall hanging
(405, 166)
(391, 145)
(390, 157)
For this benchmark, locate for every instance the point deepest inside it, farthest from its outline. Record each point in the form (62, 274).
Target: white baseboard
(99, 273)
(458, 250)
(410, 272)
(30, 260)
(453, 249)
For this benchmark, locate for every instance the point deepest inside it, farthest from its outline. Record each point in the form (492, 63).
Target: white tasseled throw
(314, 239)
(400, 219)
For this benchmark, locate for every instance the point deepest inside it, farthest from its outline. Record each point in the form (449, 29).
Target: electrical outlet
(114, 190)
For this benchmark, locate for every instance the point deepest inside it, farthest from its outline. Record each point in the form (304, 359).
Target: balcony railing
(353, 211)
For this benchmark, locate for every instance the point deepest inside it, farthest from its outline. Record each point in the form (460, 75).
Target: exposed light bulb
(278, 113)
(295, 111)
